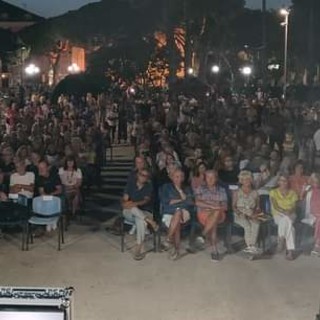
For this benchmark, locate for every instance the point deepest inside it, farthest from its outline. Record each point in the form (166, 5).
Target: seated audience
(22, 154)
(137, 207)
(164, 175)
(283, 208)
(198, 177)
(298, 179)
(49, 182)
(228, 173)
(212, 204)
(71, 179)
(263, 180)
(161, 156)
(33, 166)
(139, 164)
(311, 195)
(22, 182)
(275, 162)
(177, 202)
(246, 210)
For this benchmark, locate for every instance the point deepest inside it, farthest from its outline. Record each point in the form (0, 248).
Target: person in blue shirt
(177, 203)
(137, 207)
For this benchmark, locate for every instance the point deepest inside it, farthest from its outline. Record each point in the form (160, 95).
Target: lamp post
(32, 70)
(190, 72)
(247, 72)
(215, 69)
(285, 13)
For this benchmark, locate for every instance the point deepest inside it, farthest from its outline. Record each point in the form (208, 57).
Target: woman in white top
(71, 178)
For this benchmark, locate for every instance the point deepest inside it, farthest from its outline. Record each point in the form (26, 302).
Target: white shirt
(27, 179)
(70, 178)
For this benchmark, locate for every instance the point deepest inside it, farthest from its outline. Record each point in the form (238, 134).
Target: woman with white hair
(246, 209)
(311, 194)
(283, 208)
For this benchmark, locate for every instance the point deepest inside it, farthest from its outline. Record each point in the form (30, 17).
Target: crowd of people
(52, 149)
(237, 160)
(233, 160)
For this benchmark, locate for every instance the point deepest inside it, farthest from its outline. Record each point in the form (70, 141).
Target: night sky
(49, 8)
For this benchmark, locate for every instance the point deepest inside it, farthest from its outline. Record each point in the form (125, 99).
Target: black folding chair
(13, 215)
(123, 223)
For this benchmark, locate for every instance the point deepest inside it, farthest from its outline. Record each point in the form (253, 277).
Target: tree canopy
(125, 28)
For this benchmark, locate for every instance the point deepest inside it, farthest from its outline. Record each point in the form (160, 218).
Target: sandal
(290, 256)
(138, 256)
(154, 226)
(166, 245)
(174, 255)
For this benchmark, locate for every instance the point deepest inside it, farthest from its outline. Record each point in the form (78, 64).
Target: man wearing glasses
(137, 207)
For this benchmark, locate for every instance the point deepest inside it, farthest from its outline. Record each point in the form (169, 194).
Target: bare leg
(177, 237)
(210, 229)
(75, 203)
(174, 225)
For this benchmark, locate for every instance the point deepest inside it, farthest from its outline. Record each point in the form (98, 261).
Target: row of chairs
(43, 211)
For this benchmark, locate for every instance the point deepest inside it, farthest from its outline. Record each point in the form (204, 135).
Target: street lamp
(32, 70)
(246, 71)
(285, 13)
(74, 68)
(190, 71)
(215, 69)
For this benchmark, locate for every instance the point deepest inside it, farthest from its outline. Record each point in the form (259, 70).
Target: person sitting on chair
(212, 204)
(71, 178)
(139, 164)
(48, 184)
(137, 205)
(246, 210)
(284, 201)
(311, 195)
(22, 182)
(177, 201)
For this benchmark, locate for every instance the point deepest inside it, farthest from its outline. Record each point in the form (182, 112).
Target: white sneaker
(315, 253)
(200, 240)
(133, 230)
(255, 250)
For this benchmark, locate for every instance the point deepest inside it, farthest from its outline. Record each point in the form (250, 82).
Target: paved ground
(110, 285)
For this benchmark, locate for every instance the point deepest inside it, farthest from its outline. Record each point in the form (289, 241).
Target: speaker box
(18, 303)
